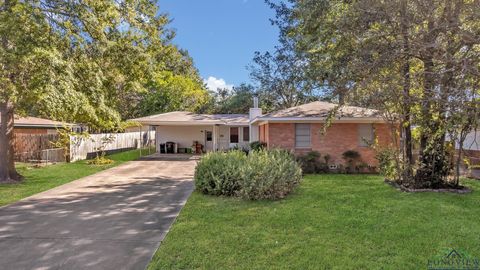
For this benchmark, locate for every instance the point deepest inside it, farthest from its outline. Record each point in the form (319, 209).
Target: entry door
(234, 137)
(208, 140)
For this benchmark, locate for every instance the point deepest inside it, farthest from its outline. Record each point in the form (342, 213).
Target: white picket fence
(82, 148)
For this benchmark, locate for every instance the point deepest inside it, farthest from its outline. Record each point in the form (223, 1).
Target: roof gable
(321, 109)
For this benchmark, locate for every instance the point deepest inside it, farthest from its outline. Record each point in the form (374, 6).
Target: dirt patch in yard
(459, 190)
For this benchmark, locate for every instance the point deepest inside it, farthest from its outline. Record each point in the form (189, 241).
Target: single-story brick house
(299, 129)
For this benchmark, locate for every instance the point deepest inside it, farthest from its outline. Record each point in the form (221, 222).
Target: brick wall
(263, 134)
(338, 139)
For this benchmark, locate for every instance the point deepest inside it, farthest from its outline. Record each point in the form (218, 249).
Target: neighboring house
(298, 129)
(35, 125)
(471, 146)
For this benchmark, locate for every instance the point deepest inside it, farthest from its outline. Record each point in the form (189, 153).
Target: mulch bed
(459, 190)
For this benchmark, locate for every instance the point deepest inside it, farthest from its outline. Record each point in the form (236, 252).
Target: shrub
(100, 160)
(220, 173)
(351, 158)
(257, 145)
(270, 174)
(263, 174)
(311, 163)
(308, 161)
(386, 163)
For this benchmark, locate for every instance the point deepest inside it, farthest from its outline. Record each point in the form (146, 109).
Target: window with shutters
(365, 135)
(302, 136)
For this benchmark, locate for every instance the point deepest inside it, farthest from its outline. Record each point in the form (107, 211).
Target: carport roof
(189, 118)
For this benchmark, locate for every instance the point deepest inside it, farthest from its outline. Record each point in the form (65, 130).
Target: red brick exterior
(339, 138)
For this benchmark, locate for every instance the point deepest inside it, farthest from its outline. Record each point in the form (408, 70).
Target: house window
(246, 134)
(302, 136)
(234, 135)
(365, 135)
(209, 136)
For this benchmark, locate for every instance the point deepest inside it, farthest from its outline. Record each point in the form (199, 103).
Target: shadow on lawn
(93, 225)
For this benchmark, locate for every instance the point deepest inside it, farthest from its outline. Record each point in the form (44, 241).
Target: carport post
(140, 140)
(214, 135)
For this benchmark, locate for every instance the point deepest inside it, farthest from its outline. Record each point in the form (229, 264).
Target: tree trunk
(407, 126)
(7, 164)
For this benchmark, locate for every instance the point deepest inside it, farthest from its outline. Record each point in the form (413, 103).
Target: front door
(208, 140)
(234, 137)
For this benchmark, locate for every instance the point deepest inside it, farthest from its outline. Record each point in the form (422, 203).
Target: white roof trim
(318, 120)
(191, 123)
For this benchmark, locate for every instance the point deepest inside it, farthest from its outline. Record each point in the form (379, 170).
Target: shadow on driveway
(115, 219)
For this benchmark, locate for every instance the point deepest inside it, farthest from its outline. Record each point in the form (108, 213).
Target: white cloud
(213, 83)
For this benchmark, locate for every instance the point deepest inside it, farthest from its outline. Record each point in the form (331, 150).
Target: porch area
(197, 139)
(189, 133)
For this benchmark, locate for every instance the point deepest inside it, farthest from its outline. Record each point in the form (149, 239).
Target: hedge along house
(299, 129)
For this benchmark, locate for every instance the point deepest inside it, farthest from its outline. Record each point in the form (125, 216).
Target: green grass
(40, 179)
(330, 222)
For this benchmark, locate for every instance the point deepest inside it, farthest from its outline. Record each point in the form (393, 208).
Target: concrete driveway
(114, 219)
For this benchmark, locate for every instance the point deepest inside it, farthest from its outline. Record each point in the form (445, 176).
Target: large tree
(282, 75)
(83, 61)
(417, 61)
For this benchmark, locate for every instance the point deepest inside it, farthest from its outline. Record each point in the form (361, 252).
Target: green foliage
(387, 165)
(350, 155)
(238, 100)
(403, 58)
(282, 76)
(352, 159)
(263, 174)
(169, 92)
(257, 145)
(220, 173)
(92, 62)
(100, 160)
(360, 215)
(311, 163)
(270, 174)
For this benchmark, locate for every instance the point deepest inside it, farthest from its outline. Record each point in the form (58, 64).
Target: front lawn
(330, 222)
(44, 178)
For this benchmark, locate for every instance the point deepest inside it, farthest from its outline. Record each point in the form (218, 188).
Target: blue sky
(222, 35)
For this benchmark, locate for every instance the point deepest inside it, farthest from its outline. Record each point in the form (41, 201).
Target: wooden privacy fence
(83, 148)
(37, 148)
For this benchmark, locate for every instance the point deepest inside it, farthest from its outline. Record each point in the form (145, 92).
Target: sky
(222, 35)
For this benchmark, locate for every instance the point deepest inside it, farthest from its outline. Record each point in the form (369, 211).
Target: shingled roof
(321, 109)
(182, 117)
(30, 121)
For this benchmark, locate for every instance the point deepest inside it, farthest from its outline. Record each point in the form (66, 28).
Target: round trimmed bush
(220, 173)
